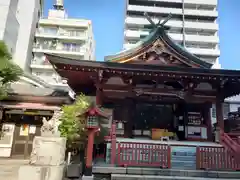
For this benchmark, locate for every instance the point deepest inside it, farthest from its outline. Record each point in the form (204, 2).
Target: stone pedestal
(30, 172)
(48, 151)
(46, 161)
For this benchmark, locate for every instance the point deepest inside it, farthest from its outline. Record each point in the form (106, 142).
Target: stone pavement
(9, 168)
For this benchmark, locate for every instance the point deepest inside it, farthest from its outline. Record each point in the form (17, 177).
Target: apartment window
(39, 73)
(74, 33)
(71, 47)
(75, 47)
(199, 32)
(66, 46)
(195, 18)
(199, 7)
(201, 46)
(50, 30)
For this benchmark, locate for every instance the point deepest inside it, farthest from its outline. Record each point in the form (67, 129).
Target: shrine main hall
(156, 91)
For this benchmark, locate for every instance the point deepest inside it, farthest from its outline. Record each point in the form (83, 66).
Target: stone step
(184, 158)
(148, 177)
(165, 172)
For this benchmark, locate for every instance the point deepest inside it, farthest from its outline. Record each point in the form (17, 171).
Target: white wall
(8, 23)
(28, 16)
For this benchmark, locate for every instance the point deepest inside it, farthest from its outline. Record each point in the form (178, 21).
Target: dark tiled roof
(159, 33)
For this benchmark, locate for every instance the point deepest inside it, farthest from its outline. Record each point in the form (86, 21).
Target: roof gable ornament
(153, 25)
(159, 49)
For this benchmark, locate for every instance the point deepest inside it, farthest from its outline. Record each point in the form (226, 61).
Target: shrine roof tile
(159, 33)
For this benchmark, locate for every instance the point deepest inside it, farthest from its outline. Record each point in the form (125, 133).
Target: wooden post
(220, 120)
(99, 97)
(219, 114)
(88, 170)
(198, 159)
(113, 143)
(208, 121)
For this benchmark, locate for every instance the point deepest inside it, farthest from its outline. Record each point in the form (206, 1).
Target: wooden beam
(121, 94)
(154, 90)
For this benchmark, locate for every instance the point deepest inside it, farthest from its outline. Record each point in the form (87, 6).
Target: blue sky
(108, 22)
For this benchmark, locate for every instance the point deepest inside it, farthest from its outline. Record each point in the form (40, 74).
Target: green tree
(72, 126)
(73, 122)
(9, 72)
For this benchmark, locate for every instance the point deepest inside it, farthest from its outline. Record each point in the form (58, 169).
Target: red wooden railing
(216, 158)
(229, 143)
(139, 154)
(234, 136)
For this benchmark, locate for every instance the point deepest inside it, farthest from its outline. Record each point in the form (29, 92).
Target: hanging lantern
(93, 116)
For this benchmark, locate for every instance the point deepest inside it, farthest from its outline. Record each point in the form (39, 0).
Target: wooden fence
(216, 158)
(139, 154)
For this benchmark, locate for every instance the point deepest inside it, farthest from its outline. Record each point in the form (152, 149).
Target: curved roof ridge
(159, 32)
(137, 46)
(184, 52)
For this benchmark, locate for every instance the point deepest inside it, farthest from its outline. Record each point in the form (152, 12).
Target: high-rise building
(28, 15)
(18, 20)
(193, 24)
(9, 24)
(60, 35)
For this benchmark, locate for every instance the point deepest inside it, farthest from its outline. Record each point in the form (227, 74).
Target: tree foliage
(9, 72)
(72, 126)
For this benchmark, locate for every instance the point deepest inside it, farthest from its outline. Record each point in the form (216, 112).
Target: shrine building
(160, 96)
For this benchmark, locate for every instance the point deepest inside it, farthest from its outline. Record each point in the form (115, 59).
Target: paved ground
(9, 168)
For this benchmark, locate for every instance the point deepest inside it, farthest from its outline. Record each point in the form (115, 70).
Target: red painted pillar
(88, 170)
(113, 144)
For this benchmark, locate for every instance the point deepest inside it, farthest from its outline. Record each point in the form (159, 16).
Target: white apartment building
(60, 35)
(28, 15)
(9, 24)
(193, 24)
(18, 20)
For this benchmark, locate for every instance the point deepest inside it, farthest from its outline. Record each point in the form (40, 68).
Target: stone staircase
(183, 157)
(9, 168)
(140, 173)
(152, 177)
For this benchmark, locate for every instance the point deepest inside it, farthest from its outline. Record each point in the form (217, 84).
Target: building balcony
(60, 49)
(176, 24)
(135, 35)
(202, 2)
(177, 11)
(71, 35)
(204, 51)
(66, 22)
(40, 63)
